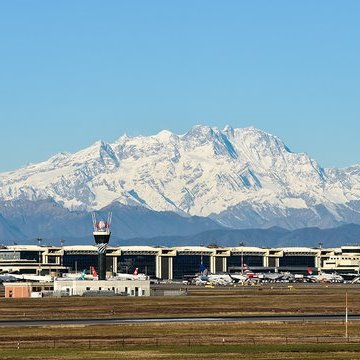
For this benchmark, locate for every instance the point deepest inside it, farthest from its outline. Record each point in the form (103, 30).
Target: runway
(119, 321)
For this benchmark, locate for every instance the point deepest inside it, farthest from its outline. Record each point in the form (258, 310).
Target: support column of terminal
(224, 264)
(212, 264)
(171, 273)
(318, 260)
(266, 260)
(115, 264)
(158, 266)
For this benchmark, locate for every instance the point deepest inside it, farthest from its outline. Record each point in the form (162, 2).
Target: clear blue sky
(73, 72)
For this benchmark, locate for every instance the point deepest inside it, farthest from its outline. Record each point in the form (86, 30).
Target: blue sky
(73, 72)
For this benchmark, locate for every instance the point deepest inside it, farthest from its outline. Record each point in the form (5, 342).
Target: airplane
(80, 276)
(16, 276)
(241, 278)
(45, 278)
(270, 277)
(134, 276)
(8, 278)
(213, 279)
(324, 278)
(281, 277)
(246, 276)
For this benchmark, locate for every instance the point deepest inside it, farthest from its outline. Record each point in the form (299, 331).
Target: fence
(96, 343)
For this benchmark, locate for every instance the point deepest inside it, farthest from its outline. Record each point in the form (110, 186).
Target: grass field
(269, 340)
(276, 352)
(218, 301)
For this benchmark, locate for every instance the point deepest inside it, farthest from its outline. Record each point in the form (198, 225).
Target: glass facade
(351, 251)
(30, 255)
(109, 264)
(272, 262)
(81, 262)
(219, 261)
(297, 261)
(146, 264)
(249, 260)
(184, 265)
(9, 255)
(164, 267)
(52, 259)
(188, 265)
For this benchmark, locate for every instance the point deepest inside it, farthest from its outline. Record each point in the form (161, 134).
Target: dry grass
(222, 301)
(163, 333)
(261, 352)
(182, 341)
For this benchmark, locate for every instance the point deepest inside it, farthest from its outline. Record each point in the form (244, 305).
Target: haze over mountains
(178, 185)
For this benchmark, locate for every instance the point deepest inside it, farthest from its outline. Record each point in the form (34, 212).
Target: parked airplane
(324, 277)
(45, 278)
(79, 276)
(213, 279)
(8, 278)
(134, 276)
(15, 276)
(280, 277)
(270, 277)
(241, 278)
(246, 276)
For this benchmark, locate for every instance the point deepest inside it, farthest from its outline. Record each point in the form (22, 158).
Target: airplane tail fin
(93, 271)
(136, 272)
(248, 272)
(246, 269)
(309, 270)
(82, 275)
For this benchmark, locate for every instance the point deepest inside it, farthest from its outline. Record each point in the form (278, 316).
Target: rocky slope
(240, 178)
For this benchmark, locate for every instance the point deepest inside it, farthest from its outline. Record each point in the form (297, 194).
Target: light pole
(15, 243)
(320, 246)
(62, 242)
(201, 255)
(40, 260)
(242, 257)
(346, 314)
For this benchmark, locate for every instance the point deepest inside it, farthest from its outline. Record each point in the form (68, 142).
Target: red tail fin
(93, 271)
(309, 270)
(248, 272)
(136, 272)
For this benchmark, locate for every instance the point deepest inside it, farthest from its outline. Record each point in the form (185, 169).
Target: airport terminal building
(177, 262)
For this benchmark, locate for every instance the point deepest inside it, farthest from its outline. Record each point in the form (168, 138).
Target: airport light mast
(39, 240)
(320, 247)
(242, 257)
(101, 232)
(62, 242)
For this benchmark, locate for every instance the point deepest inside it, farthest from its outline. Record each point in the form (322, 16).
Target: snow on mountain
(240, 177)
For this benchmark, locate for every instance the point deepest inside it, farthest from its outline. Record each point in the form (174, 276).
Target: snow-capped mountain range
(240, 178)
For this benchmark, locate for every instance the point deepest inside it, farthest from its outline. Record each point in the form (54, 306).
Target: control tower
(101, 232)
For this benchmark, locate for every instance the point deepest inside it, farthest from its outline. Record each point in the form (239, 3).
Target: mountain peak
(228, 130)
(238, 176)
(164, 135)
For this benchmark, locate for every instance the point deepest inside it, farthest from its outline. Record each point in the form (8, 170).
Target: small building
(27, 289)
(99, 287)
